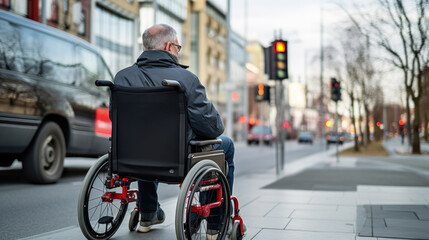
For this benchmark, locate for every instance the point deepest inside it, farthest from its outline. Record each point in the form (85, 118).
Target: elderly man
(158, 62)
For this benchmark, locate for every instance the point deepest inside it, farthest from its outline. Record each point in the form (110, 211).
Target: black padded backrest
(149, 133)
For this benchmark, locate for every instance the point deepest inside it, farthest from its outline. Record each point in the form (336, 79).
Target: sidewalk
(289, 207)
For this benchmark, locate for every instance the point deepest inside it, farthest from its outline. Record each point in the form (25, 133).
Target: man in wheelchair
(159, 61)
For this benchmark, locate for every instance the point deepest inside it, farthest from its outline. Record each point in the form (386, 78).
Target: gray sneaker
(157, 217)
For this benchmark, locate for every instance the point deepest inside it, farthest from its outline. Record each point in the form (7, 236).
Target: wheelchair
(148, 143)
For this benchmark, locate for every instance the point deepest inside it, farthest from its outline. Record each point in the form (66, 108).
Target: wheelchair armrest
(104, 83)
(172, 83)
(205, 142)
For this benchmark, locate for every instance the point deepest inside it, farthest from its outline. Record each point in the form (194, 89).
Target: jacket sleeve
(203, 117)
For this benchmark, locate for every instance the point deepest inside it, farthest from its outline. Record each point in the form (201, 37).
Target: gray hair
(155, 37)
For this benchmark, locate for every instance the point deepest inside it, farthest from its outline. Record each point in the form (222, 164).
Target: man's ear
(167, 46)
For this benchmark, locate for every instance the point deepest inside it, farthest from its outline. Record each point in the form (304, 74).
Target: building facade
(115, 31)
(208, 51)
(111, 25)
(257, 112)
(171, 12)
(239, 95)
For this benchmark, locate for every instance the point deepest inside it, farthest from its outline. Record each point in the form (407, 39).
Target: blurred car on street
(334, 137)
(258, 132)
(305, 137)
(49, 105)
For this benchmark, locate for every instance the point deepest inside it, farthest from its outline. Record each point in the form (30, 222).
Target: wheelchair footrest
(105, 220)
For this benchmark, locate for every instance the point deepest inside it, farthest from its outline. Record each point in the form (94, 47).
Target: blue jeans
(148, 197)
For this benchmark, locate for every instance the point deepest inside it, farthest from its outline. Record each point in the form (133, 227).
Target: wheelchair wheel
(99, 219)
(204, 186)
(236, 232)
(134, 220)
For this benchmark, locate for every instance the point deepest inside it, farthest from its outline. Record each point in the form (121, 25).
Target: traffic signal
(335, 90)
(328, 123)
(276, 60)
(262, 93)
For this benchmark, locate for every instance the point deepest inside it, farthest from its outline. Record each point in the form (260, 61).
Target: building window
(20, 7)
(194, 43)
(114, 37)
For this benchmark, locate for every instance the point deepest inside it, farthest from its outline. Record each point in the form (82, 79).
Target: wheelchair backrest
(149, 133)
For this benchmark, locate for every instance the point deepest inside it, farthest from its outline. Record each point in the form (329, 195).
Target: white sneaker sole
(143, 229)
(211, 237)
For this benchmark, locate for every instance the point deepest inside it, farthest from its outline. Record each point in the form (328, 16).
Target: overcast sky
(298, 21)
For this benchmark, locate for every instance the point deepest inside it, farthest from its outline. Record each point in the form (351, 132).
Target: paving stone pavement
(368, 212)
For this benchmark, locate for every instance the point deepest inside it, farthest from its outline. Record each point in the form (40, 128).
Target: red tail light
(103, 125)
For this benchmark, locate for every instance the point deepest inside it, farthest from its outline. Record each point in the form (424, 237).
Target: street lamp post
(229, 127)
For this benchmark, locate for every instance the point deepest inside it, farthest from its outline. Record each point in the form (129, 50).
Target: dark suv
(49, 105)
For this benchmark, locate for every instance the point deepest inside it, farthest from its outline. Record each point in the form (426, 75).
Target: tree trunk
(367, 133)
(354, 122)
(416, 126)
(425, 127)
(410, 140)
(360, 120)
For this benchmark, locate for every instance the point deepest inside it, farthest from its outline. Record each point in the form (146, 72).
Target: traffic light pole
(261, 115)
(336, 131)
(278, 139)
(280, 145)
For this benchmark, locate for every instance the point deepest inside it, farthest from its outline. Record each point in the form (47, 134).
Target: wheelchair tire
(236, 233)
(99, 219)
(134, 220)
(204, 173)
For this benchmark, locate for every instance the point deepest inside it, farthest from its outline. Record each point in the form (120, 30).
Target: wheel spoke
(98, 189)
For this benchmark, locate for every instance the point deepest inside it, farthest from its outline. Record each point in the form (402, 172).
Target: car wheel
(43, 161)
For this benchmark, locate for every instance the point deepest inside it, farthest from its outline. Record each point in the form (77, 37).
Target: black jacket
(152, 67)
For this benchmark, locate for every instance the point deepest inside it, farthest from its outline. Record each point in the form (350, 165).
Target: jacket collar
(158, 58)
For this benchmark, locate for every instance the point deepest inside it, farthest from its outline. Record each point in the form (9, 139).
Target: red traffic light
(286, 125)
(378, 124)
(280, 47)
(401, 122)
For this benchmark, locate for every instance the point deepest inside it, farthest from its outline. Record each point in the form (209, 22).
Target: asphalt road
(28, 209)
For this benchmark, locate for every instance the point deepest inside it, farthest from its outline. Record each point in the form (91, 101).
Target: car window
(57, 59)
(91, 68)
(31, 52)
(259, 129)
(11, 55)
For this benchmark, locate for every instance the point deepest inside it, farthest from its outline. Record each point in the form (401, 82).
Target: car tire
(43, 161)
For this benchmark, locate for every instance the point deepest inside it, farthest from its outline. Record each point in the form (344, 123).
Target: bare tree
(349, 73)
(401, 28)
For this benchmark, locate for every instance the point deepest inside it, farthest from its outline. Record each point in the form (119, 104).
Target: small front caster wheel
(236, 233)
(134, 220)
